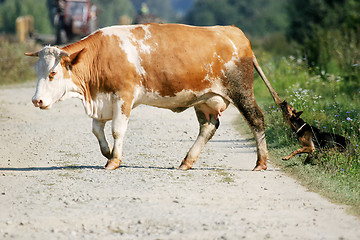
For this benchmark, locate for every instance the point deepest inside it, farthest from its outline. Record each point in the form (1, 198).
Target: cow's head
(54, 76)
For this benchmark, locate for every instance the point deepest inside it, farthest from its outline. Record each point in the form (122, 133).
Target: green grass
(330, 103)
(15, 67)
(226, 177)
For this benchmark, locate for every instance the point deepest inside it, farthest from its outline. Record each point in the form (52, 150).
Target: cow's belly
(208, 102)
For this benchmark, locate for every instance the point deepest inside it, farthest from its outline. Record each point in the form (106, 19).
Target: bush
(14, 66)
(11, 9)
(328, 104)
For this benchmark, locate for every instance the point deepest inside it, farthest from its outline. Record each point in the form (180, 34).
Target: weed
(329, 104)
(227, 178)
(14, 66)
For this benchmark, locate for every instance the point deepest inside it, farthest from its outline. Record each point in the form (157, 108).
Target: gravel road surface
(53, 185)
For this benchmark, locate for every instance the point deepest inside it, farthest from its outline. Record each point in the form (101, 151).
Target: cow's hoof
(260, 168)
(112, 164)
(185, 166)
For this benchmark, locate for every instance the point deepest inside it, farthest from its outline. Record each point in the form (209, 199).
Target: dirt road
(53, 185)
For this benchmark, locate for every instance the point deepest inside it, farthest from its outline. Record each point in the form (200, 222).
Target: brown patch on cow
(139, 32)
(93, 77)
(172, 67)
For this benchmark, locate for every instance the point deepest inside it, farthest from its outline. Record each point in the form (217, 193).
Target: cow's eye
(51, 75)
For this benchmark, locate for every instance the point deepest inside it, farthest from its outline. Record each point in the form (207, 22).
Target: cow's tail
(273, 93)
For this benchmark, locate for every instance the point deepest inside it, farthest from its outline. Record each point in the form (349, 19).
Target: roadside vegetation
(14, 66)
(328, 104)
(316, 69)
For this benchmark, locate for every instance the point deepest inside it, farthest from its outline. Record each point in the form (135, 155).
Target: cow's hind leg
(255, 119)
(207, 130)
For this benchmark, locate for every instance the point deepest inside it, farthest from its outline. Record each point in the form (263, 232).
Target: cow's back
(166, 58)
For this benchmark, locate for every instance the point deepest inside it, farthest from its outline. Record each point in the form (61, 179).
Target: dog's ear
(298, 114)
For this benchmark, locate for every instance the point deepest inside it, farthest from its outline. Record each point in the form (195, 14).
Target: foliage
(11, 9)
(328, 34)
(327, 104)
(161, 8)
(110, 11)
(14, 66)
(182, 6)
(257, 18)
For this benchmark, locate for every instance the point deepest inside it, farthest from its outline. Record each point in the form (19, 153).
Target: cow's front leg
(98, 130)
(207, 130)
(119, 126)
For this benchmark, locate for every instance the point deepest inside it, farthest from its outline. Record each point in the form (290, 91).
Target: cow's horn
(33, 54)
(64, 54)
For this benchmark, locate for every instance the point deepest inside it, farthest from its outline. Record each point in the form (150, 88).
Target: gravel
(53, 185)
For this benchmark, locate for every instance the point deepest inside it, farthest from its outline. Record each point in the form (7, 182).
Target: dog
(310, 137)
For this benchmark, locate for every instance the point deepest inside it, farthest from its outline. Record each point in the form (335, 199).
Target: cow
(171, 66)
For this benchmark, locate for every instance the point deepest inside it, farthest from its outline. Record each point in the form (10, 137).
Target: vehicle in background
(74, 18)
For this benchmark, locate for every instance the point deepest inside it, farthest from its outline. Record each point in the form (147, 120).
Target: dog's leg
(306, 149)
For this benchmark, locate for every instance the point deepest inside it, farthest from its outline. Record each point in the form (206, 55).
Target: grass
(226, 177)
(329, 104)
(14, 66)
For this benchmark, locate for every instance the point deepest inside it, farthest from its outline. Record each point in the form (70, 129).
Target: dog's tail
(273, 93)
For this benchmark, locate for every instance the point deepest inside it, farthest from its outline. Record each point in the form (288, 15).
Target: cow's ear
(76, 57)
(72, 59)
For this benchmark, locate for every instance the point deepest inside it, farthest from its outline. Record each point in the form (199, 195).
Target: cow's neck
(96, 104)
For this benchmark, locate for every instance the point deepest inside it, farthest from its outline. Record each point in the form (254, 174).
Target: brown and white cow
(168, 66)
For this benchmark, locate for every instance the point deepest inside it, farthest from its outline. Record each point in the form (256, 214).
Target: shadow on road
(53, 168)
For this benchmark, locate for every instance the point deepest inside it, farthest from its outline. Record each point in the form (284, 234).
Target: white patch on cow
(129, 43)
(143, 47)
(209, 71)
(181, 101)
(139, 92)
(234, 46)
(100, 107)
(118, 128)
(230, 64)
(235, 57)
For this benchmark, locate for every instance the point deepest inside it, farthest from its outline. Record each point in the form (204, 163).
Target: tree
(11, 9)
(182, 6)
(110, 11)
(257, 17)
(327, 31)
(160, 8)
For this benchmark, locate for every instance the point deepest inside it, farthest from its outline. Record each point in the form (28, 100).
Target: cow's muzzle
(39, 103)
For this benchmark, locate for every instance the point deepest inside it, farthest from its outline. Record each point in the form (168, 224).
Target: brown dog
(310, 137)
